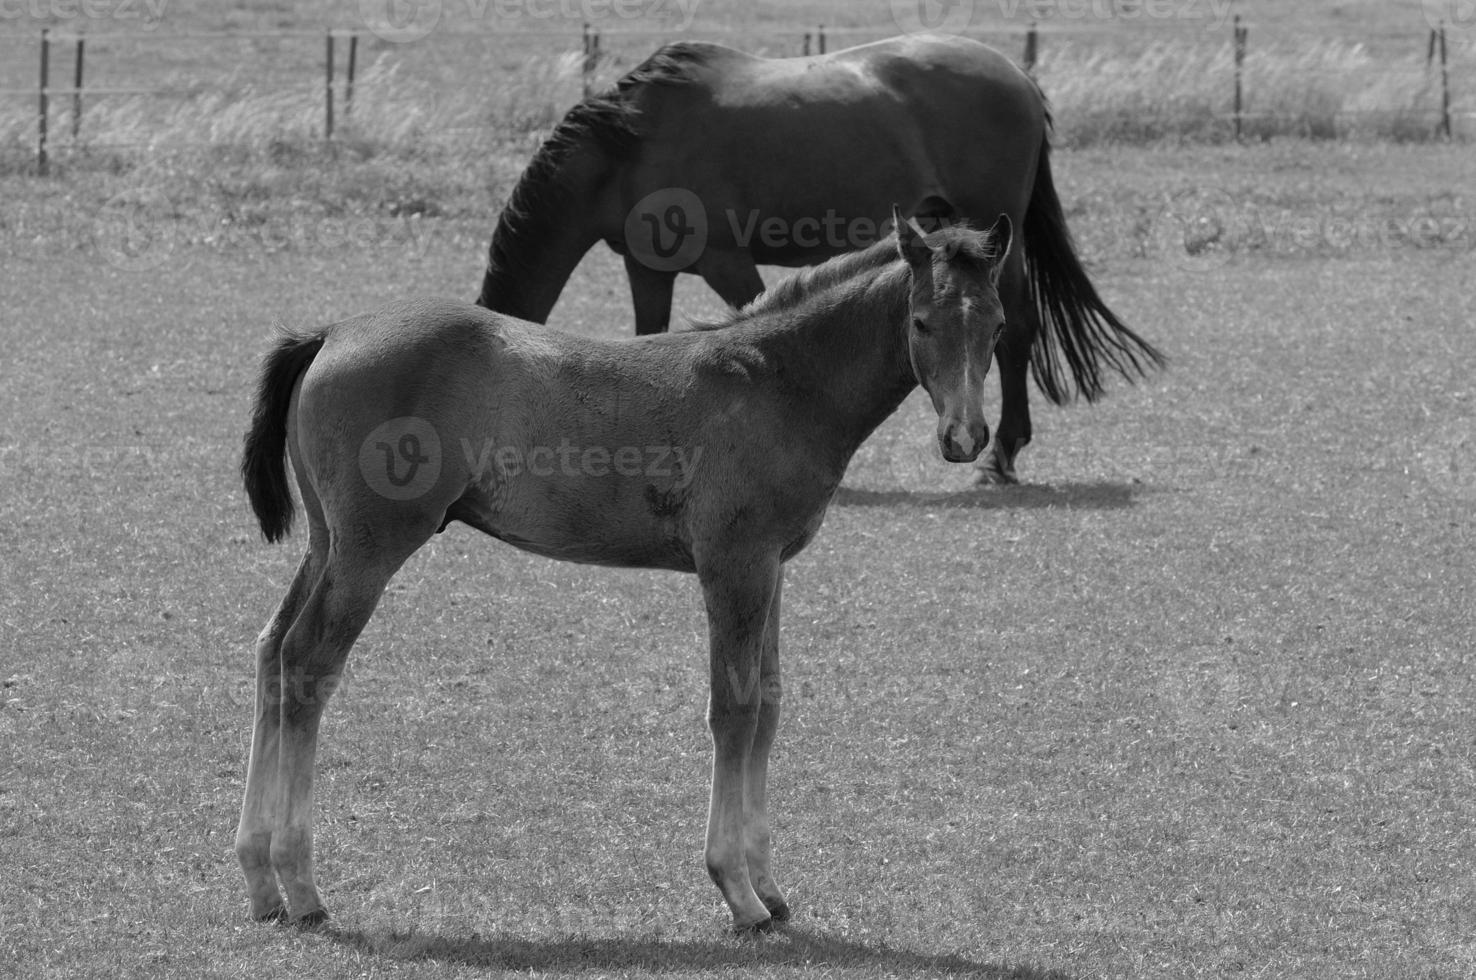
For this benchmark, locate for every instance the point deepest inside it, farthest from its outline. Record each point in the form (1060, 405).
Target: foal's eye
(919, 324)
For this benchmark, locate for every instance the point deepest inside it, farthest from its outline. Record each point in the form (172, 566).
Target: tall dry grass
(247, 148)
(1322, 90)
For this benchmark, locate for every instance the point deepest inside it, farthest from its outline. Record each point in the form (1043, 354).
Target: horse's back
(934, 123)
(923, 67)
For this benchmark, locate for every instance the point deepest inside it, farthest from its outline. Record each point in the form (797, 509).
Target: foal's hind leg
(1012, 354)
(313, 655)
(254, 833)
(756, 835)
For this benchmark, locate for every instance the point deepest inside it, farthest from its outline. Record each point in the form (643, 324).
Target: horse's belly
(584, 520)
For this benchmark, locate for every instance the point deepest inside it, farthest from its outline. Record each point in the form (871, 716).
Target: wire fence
(64, 90)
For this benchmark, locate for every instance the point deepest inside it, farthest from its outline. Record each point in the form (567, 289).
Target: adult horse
(711, 161)
(402, 421)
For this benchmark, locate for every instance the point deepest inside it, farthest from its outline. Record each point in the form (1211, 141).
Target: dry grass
(1108, 89)
(1194, 703)
(1322, 90)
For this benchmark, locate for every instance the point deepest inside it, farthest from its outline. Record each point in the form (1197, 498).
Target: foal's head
(955, 319)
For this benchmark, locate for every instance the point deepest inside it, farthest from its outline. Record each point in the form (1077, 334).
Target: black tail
(263, 463)
(1076, 326)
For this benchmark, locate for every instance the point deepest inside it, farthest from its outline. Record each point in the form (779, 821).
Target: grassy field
(1195, 701)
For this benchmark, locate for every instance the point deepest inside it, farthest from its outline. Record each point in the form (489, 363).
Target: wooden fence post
(77, 89)
(42, 107)
(1240, 39)
(591, 61)
(348, 85)
(328, 89)
(820, 38)
(1032, 47)
(806, 50)
(1444, 85)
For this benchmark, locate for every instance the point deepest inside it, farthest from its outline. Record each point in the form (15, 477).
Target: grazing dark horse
(708, 160)
(714, 451)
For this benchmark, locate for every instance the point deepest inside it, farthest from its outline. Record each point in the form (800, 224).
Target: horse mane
(956, 242)
(608, 121)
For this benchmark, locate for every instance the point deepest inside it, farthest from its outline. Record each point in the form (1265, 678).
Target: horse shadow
(1097, 495)
(789, 946)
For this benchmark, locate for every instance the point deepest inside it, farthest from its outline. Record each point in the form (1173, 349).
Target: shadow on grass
(1027, 496)
(789, 946)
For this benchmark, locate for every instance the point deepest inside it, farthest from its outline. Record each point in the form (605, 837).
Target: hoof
(311, 920)
(275, 914)
(761, 926)
(780, 912)
(991, 476)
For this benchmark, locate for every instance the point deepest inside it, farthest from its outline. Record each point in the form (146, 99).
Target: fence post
(820, 38)
(328, 89)
(591, 60)
(42, 107)
(1240, 38)
(806, 50)
(1032, 47)
(1444, 86)
(77, 89)
(348, 85)
(584, 59)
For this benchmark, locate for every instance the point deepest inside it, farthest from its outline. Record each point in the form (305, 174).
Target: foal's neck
(844, 346)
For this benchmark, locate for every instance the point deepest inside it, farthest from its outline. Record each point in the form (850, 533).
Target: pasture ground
(1195, 701)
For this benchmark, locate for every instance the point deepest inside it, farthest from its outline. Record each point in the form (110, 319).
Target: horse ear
(910, 244)
(1001, 237)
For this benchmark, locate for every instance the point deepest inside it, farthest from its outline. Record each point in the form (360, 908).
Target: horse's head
(955, 319)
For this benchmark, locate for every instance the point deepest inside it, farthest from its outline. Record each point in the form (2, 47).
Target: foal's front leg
(738, 593)
(756, 835)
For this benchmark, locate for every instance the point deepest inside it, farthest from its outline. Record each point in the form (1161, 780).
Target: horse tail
(263, 461)
(1076, 325)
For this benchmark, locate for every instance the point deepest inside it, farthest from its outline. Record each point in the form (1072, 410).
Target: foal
(401, 421)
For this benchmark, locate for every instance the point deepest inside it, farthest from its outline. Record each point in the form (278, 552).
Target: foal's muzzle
(962, 442)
